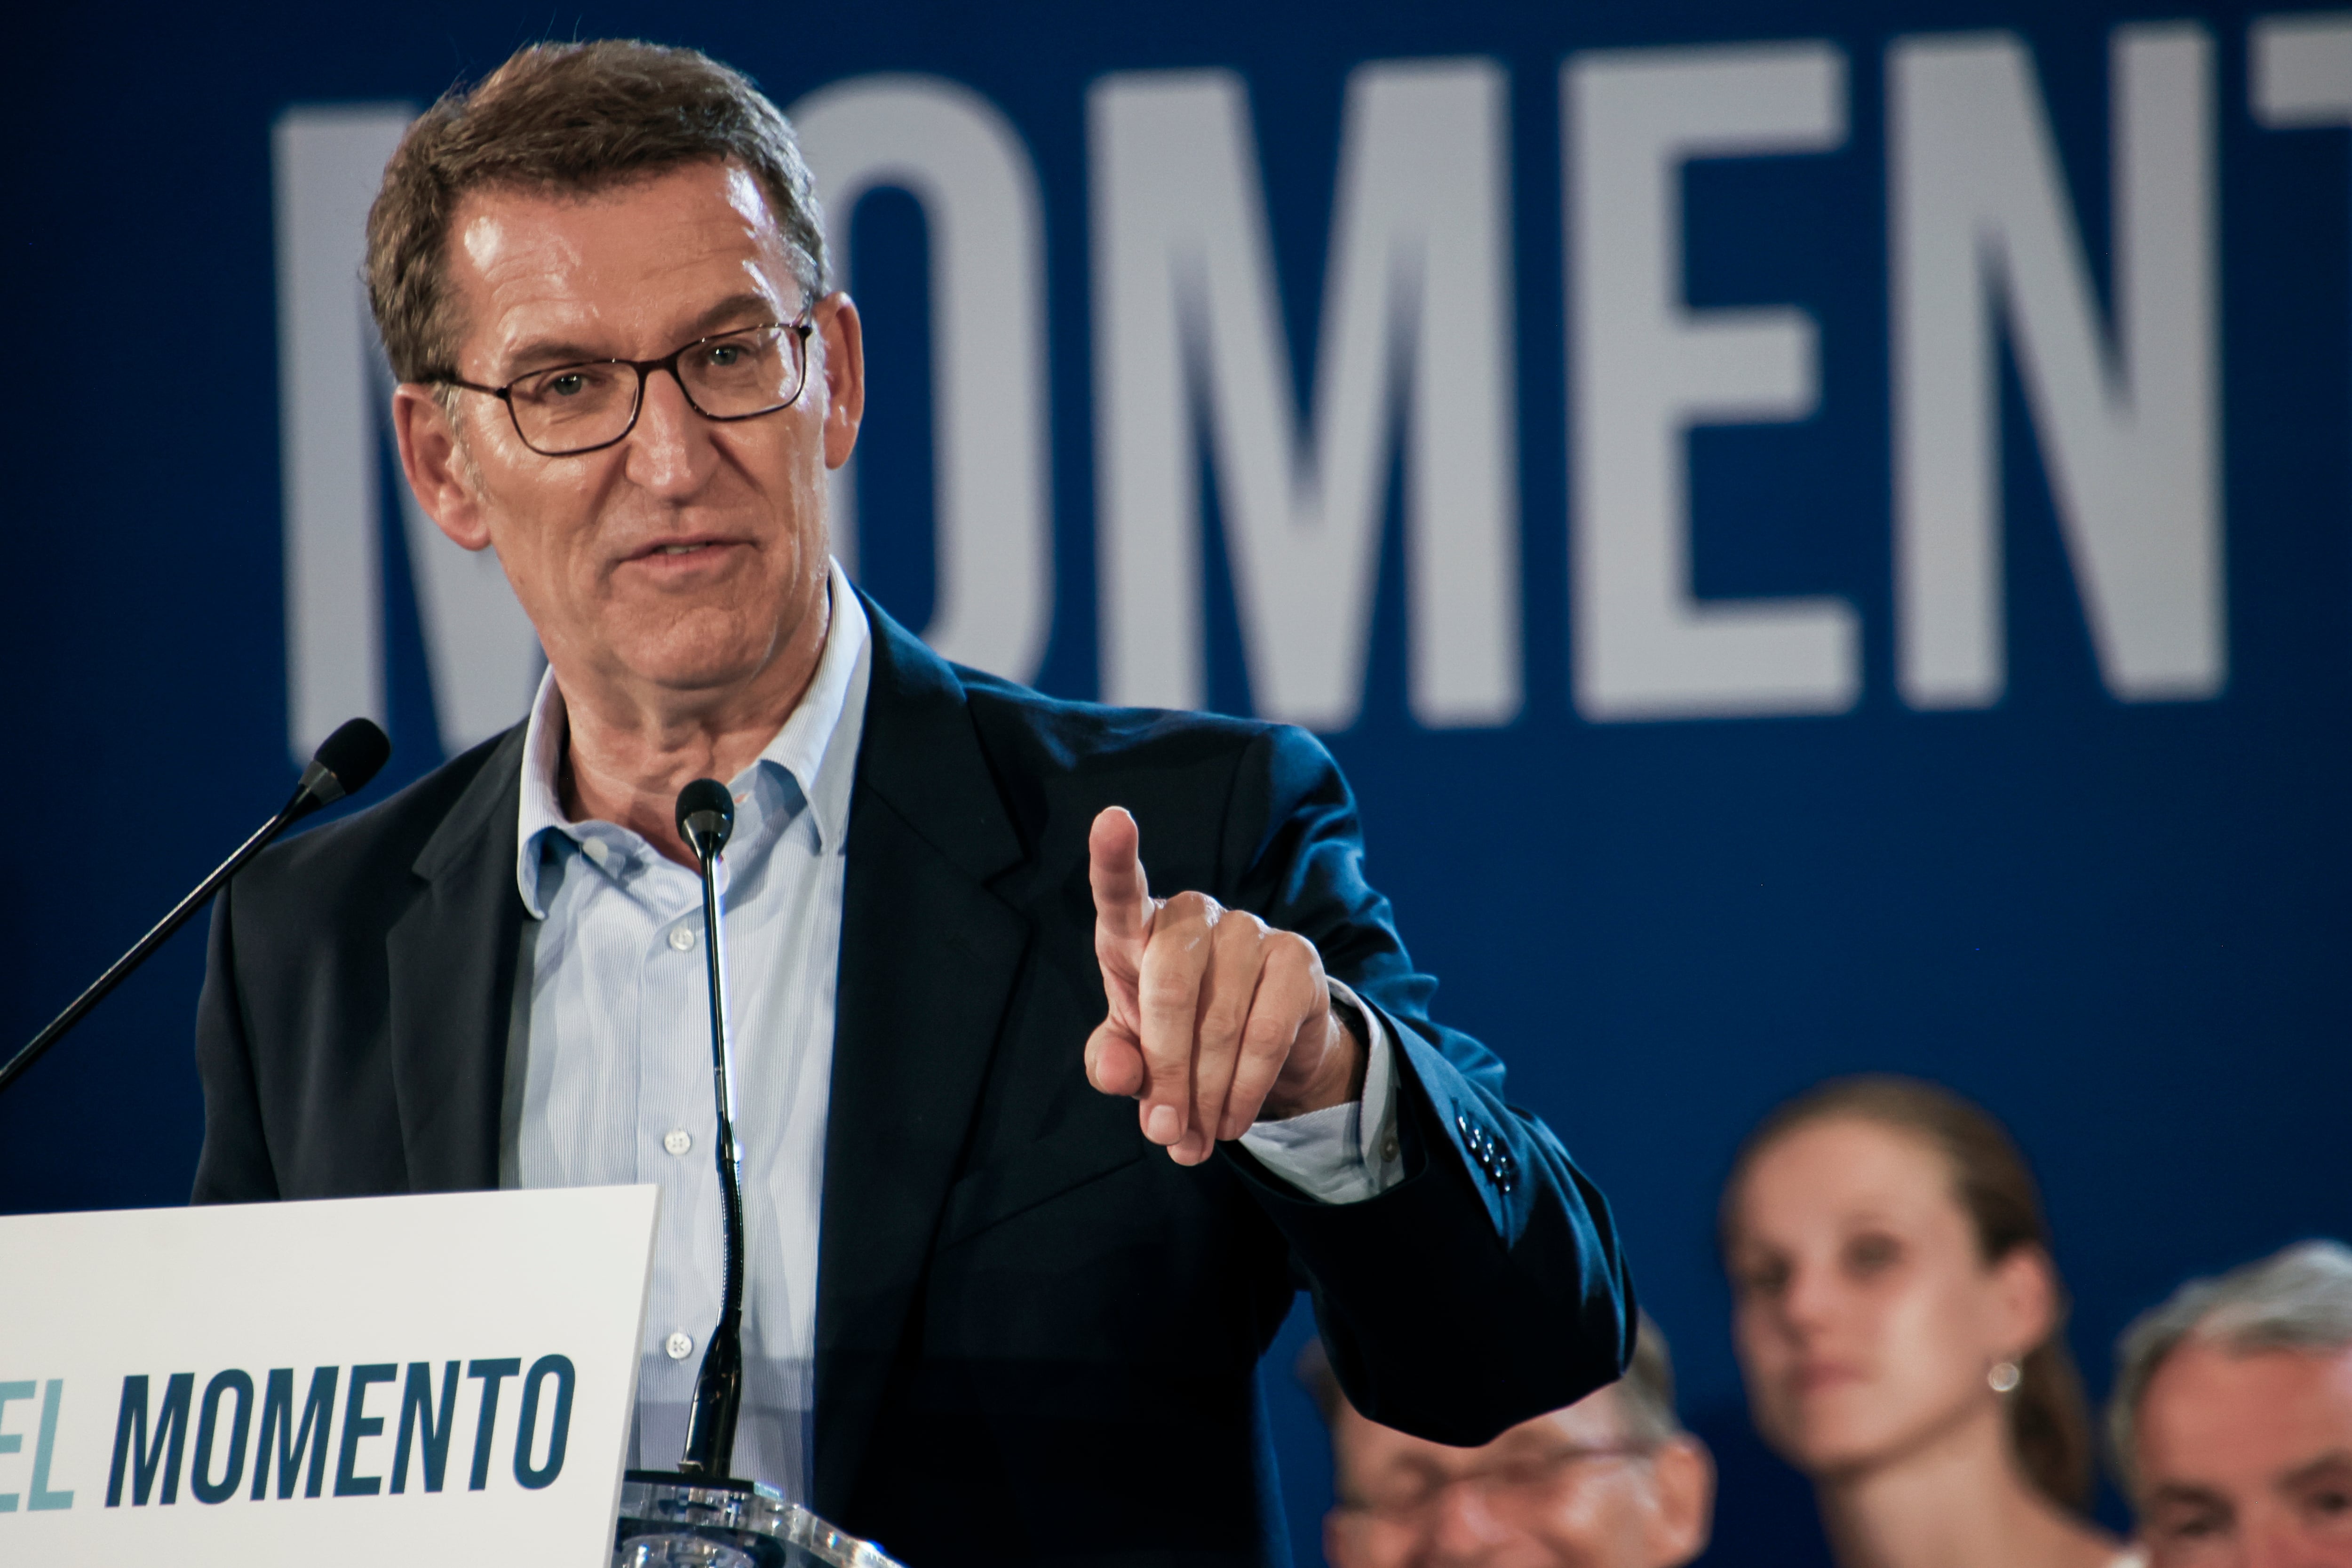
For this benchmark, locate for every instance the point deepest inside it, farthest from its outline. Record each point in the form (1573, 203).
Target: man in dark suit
(1012, 1329)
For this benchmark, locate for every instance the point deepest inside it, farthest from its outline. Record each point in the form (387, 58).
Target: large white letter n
(2128, 432)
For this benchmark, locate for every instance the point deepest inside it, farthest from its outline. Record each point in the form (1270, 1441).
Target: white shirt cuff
(1342, 1154)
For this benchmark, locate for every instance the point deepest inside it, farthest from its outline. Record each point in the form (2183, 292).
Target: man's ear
(844, 353)
(1684, 1474)
(438, 470)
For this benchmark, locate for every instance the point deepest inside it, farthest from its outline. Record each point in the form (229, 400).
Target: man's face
(2245, 1461)
(686, 557)
(1563, 1491)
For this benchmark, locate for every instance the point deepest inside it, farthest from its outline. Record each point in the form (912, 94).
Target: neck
(628, 753)
(1956, 1501)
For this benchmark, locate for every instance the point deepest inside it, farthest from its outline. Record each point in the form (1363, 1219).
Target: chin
(1829, 1437)
(692, 654)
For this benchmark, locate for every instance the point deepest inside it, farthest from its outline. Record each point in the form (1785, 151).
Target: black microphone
(341, 766)
(705, 815)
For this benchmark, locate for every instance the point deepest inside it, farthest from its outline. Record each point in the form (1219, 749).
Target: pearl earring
(2004, 1376)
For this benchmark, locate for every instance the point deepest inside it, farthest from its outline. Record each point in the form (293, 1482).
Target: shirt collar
(817, 746)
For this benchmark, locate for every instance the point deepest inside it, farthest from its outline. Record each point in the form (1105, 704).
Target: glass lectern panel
(667, 1522)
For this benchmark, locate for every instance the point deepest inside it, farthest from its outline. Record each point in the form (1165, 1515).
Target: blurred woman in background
(1898, 1321)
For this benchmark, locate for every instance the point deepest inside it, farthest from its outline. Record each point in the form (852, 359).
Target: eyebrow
(743, 304)
(538, 353)
(2312, 1470)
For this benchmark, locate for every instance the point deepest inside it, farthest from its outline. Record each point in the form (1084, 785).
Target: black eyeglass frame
(645, 368)
(1557, 1462)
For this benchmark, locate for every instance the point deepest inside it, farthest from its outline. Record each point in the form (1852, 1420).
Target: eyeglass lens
(1522, 1481)
(573, 407)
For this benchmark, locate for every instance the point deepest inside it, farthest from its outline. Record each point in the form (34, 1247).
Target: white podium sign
(414, 1381)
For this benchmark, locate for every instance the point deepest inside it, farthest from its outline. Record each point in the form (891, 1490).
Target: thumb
(1123, 907)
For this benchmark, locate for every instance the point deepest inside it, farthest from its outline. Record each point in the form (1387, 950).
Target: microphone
(701, 1512)
(343, 765)
(706, 816)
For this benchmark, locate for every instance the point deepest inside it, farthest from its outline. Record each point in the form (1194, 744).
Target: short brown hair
(571, 118)
(2048, 1419)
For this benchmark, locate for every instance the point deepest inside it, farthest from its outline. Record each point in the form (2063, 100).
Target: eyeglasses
(1521, 1483)
(569, 409)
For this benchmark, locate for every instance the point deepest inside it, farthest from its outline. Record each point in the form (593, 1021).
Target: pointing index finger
(1115, 868)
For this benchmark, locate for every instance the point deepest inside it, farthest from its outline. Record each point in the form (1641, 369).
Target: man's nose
(670, 451)
(2278, 1543)
(1463, 1529)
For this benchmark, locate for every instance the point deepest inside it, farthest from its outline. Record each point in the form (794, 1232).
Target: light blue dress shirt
(608, 1074)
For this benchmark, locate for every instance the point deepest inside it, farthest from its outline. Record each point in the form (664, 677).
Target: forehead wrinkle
(545, 279)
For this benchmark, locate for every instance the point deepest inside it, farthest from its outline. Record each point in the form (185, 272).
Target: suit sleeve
(235, 1167)
(1487, 1286)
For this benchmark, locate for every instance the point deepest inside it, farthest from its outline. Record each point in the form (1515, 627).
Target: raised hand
(1216, 1019)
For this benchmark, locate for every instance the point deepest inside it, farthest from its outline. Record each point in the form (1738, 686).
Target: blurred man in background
(2232, 1416)
(1610, 1481)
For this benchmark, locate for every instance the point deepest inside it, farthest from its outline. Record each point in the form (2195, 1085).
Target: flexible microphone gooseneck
(341, 766)
(705, 815)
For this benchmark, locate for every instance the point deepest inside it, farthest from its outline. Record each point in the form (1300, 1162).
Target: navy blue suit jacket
(1037, 1336)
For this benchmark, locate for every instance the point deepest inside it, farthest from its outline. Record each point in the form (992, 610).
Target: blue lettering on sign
(278, 1416)
(208, 1429)
(152, 1447)
(359, 1423)
(10, 1443)
(146, 1459)
(41, 1499)
(559, 1425)
(416, 1417)
(485, 1428)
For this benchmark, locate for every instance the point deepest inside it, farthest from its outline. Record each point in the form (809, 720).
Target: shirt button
(681, 937)
(679, 1345)
(597, 850)
(677, 1140)
(1388, 1148)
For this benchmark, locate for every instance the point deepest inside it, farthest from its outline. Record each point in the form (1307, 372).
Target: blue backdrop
(2104, 891)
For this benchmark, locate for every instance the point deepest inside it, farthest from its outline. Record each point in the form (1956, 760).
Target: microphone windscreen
(708, 800)
(354, 753)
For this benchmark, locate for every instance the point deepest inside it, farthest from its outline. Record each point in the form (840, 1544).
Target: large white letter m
(333, 403)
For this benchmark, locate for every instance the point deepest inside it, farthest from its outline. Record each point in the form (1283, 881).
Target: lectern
(668, 1523)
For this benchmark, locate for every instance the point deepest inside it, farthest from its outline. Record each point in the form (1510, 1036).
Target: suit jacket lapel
(929, 958)
(451, 962)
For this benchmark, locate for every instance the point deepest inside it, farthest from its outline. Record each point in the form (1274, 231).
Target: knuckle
(1297, 952)
(1195, 909)
(1222, 1020)
(1269, 1038)
(1239, 932)
(1167, 989)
